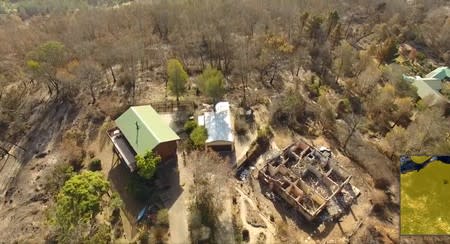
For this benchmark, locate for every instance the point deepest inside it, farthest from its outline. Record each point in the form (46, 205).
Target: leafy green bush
(198, 137)
(146, 165)
(77, 203)
(190, 125)
(313, 87)
(95, 165)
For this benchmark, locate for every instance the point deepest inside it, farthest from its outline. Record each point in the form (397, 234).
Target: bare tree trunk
(348, 27)
(243, 90)
(352, 131)
(50, 90)
(91, 88)
(113, 75)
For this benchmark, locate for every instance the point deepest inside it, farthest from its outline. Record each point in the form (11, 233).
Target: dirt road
(179, 212)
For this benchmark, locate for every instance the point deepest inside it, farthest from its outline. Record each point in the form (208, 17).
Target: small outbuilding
(140, 129)
(430, 85)
(219, 128)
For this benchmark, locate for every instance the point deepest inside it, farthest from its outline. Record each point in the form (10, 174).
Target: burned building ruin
(310, 180)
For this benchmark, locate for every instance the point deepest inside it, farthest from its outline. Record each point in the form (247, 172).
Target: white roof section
(218, 123)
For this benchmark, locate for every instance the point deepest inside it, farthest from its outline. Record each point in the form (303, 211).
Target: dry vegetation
(323, 68)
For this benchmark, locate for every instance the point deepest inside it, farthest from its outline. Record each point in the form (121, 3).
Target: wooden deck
(122, 148)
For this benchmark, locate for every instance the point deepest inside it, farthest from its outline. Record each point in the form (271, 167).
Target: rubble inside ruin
(310, 180)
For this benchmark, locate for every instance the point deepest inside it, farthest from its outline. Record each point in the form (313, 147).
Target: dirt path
(179, 212)
(227, 231)
(254, 232)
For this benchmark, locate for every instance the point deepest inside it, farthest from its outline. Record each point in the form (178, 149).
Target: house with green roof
(140, 129)
(430, 86)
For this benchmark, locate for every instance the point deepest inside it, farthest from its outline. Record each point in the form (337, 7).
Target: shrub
(288, 110)
(59, 175)
(143, 236)
(190, 125)
(264, 134)
(162, 218)
(382, 183)
(240, 126)
(95, 165)
(75, 158)
(198, 137)
(158, 235)
(147, 164)
(102, 235)
(91, 154)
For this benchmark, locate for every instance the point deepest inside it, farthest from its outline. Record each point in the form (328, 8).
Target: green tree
(78, 202)
(44, 61)
(199, 136)
(177, 78)
(211, 83)
(190, 125)
(147, 164)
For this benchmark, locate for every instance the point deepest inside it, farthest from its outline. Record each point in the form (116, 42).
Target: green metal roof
(144, 129)
(424, 90)
(439, 73)
(434, 83)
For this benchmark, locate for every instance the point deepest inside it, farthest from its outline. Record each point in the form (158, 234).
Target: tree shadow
(119, 176)
(164, 186)
(163, 189)
(168, 182)
(243, 138)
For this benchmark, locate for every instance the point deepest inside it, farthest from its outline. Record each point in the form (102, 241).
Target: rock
(41, 155)
(39, 197)
(262, 237)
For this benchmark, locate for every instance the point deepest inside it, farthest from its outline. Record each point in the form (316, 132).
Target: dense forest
(322, 68)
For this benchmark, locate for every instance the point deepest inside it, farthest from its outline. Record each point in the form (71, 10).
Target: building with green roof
(139, 130)
(430, 86)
